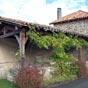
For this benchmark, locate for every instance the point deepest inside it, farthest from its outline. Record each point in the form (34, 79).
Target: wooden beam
(8, 34)
(22, 39)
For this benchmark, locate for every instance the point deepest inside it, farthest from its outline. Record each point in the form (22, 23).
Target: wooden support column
(80, 54)
(22, 39)
(82, 70)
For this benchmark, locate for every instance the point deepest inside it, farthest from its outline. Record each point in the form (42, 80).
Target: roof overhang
(22, 25)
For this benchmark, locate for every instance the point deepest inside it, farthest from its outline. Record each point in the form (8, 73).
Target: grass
(6, 84)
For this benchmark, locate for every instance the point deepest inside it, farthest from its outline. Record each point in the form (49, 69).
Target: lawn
(6, 84)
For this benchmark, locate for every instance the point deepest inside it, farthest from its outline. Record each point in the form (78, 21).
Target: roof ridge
(76, 12)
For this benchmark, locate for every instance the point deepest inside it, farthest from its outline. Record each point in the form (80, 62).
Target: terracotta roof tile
(73, 16)
(39, 26)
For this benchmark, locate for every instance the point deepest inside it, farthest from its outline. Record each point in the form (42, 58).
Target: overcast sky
(39, 11)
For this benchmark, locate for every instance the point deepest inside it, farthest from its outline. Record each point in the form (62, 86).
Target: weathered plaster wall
(78, 26)
(8, 49)
(34, 55)
(9, 60)
(37, 57)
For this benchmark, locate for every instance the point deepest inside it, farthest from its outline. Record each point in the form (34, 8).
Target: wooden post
(80, 54)
(82, 70)
(22, 39)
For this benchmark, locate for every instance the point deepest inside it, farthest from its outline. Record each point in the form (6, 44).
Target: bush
(29, 77)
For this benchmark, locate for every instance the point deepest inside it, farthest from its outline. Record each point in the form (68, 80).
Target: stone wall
(78, 26)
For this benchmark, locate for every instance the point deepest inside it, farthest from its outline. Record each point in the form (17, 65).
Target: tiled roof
(39, 26)
(73, 16)
(20, 23)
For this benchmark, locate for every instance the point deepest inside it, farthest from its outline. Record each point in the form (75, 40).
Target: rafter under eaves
(8, 34)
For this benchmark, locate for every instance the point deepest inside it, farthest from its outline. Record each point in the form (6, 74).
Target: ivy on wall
(61, 44)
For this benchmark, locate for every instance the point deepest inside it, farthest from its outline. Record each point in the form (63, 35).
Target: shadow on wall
(38, 57)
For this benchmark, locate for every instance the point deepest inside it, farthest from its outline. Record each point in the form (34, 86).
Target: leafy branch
(61, 43)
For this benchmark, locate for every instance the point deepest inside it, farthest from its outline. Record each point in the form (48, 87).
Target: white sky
(38, 11)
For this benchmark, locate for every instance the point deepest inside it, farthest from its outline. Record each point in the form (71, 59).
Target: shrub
(29, 77)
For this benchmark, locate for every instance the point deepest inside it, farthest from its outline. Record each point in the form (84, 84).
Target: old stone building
(13, 38)
(77, 23)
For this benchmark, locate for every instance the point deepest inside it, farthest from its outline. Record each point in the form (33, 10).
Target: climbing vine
(61, 44)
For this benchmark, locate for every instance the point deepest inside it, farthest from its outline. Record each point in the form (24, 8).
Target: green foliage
(38, 39)
(61, 44)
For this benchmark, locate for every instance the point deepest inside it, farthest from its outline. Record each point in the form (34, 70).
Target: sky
(39, 11)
